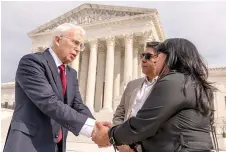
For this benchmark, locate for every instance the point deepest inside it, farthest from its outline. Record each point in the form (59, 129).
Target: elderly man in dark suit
(48, 101)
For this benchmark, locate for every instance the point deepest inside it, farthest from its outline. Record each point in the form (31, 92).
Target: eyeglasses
(147, 56)
(76, 43)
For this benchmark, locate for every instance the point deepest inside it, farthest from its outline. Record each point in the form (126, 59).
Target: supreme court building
(115, 35)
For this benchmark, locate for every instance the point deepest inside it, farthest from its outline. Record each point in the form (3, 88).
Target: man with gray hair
(48, 101)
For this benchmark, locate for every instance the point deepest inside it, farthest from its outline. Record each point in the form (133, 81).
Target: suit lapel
(54, 70)
(132, 101)
(133, 97)
(69, 84)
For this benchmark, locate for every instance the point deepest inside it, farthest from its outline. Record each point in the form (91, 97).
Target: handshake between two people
(101, 138)
(100, 134)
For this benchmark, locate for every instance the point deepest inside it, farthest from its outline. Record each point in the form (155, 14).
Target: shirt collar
(55, 57)
(148, 82)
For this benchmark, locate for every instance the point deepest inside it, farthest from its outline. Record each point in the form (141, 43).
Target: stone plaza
(74, 144)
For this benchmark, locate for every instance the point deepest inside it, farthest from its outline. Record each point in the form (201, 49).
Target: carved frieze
(87, 16)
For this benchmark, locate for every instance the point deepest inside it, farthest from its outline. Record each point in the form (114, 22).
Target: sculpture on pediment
(89, 16)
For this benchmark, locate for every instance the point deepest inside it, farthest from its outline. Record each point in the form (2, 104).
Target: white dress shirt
(142, 95)
(88, 127)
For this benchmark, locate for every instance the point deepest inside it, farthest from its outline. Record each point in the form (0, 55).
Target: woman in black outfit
(178, 113)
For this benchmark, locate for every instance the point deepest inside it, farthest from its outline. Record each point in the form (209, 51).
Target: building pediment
(91, 13)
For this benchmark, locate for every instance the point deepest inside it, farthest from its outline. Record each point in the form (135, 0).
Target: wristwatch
(112, 140)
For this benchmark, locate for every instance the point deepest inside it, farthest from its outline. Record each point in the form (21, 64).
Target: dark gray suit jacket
(41, 109)
(168, 120)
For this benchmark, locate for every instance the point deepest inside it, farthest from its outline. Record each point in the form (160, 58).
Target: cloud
(201, 22)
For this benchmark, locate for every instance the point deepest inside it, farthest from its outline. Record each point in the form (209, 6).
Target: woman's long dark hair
(183, 57)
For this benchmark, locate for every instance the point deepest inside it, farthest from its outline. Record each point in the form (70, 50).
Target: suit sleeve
(78, 105)
(165, 100)
(31, 77)
(119, 115)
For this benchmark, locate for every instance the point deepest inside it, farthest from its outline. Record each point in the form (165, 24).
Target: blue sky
(203, 23)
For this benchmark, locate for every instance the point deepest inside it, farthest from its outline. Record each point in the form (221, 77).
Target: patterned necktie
(64, 86)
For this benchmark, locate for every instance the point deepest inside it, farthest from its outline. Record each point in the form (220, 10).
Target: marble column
(75, 64)
(117, 68)
(135, 59)
(34, 49)
(122, 83)
(147, 37)
(83, 74)
(140, 73)
(99, 91)
(128, 62)
(109, 73)
(90, 89)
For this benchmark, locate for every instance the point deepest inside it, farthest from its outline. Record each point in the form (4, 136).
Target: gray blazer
(41, 109)
(124, 109)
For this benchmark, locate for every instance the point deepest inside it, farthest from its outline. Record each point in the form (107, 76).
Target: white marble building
(115, 37)
(218, 77)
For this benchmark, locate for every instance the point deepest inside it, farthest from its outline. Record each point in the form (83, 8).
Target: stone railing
(8, 95)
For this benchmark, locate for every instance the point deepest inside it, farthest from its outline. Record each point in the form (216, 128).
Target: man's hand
(125, 148)
(100, 135)
(107, 124)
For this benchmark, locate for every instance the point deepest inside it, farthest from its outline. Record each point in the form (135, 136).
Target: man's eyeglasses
(76, 43)
(147, 56)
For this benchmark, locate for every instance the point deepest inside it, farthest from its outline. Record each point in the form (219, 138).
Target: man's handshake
(100, 134)
(101, 138)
